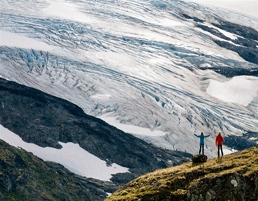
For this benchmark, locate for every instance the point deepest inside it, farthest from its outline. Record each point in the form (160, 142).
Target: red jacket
(219, 140)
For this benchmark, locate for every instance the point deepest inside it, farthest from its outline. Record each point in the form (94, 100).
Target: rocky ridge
(233, 177)
(45, 120)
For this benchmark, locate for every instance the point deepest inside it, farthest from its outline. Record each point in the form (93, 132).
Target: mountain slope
(171, 67)
(23, 176)
(46, 121)
(234, 177)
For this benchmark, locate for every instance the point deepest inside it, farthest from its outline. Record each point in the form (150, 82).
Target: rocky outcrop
(199, 158)
(232, 177)
(241, 142)
(245, 44)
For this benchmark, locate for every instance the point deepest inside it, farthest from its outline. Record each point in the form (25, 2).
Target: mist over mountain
(159, 70)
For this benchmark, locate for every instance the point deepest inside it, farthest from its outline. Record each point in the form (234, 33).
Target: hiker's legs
(218, 151)
(201, 149)
(221, 150)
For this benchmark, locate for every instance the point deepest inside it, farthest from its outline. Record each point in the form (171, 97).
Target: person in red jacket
(219, 142)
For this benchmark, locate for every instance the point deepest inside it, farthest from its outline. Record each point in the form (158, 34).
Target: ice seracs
(141, 61)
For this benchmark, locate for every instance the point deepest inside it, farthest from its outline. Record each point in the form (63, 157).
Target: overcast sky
(249, 7)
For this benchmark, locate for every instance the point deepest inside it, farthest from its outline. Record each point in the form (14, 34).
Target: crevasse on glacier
(171, 67)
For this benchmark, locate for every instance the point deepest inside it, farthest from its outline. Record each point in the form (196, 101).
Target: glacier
(162, 67)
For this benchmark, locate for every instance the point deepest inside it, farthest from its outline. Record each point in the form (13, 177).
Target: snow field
(71, 156)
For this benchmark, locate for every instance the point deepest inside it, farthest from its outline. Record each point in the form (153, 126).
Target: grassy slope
(177, 183)
(23, 176)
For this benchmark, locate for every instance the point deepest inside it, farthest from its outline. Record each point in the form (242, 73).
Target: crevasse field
(138, 65)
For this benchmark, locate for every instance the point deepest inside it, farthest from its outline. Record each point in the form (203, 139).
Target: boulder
(199, 158)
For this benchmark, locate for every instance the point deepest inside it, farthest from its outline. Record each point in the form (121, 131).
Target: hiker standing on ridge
(219, 141)
(202, 136)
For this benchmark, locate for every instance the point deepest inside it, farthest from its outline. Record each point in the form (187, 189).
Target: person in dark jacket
(219, 142)
(202, 136)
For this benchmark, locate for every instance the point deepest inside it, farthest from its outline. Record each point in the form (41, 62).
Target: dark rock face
(233, 187)
(45, 120)
(247, 53)
(245, 44)
(199, 158)
(193, 18)
(241, 142)
(231, 72)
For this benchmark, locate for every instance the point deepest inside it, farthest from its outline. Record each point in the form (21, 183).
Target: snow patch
(113, 59)
(169, 22)
(71, 156)
(130, 128)
(240, 89)
(101, 96)
(15, 40)
(226, 33)
(216, 37)
(253, 138)
(205, 65)
(67, 11)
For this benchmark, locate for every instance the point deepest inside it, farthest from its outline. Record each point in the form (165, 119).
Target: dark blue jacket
(201, 138)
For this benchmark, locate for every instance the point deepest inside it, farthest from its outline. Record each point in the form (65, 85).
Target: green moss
(179, 192)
